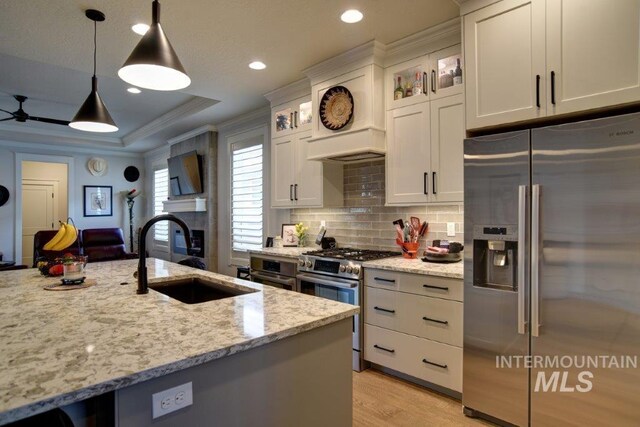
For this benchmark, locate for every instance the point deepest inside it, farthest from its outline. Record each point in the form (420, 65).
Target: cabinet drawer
(433, 318)
(427, 360)
(419, 284)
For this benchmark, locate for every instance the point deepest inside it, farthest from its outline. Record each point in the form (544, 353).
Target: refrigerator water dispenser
(495, 254)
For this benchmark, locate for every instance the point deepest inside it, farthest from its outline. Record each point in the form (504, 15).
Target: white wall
(114, 177)
(273, 218)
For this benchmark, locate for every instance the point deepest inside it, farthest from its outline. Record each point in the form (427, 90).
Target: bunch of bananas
(66, 235)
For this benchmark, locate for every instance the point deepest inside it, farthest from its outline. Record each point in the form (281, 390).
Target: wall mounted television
(185, 174)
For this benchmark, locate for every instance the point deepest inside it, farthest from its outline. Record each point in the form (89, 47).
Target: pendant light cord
(95, 46)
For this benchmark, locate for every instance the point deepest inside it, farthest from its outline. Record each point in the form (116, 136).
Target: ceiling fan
(21, 116)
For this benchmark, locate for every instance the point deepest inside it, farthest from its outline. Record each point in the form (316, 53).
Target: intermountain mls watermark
(558, 379)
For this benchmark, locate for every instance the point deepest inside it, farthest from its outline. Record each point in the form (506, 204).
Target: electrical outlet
(323, 223)
(172, 399)
(451, 229)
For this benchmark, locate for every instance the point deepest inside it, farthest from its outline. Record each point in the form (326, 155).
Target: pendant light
(153, 64)
(93, 115)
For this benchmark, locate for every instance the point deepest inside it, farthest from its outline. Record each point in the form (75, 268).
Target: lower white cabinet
(414, 324)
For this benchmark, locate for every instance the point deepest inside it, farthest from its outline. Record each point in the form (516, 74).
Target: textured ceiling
(214, 39)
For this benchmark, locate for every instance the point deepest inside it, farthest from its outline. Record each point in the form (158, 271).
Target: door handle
(434, 364)
(433, 182)
(295, 191)
(291, 120)
(426, 183)
(522, 218)
(295, 118)
(433, 81)
(440, 288)
(386, 310)
(535, 260)
(538, 90)
(388, 350)
(291, 192)
(429, 319)
(425, 84)
(381, 279)
(553, 87)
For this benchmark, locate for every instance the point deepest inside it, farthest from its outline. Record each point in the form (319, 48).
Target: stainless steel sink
(196, 290)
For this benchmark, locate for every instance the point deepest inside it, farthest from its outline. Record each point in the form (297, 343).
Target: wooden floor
(380, 400)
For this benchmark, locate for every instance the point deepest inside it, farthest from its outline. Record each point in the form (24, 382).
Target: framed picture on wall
(289, 238)
(98, 200)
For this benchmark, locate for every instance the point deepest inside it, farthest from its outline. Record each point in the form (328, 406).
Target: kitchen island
(251, 358)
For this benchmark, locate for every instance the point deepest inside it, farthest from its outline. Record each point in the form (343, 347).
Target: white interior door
(593, 49)
(39, 210)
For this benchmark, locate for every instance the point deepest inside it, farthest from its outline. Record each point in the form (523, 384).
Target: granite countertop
(283, 252)
(57, 348)
(454, 270)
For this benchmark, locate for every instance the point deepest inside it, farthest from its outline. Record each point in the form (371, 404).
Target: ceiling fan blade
(8, 118)
(5, 111)
(52, 121)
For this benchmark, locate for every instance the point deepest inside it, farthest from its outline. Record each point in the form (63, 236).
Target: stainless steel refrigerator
(552, 274)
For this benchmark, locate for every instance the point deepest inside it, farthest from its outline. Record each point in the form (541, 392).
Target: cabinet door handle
(440, 288)
(553, 87)
(386, 310)
(291, 192)
(388, 350)
(381, 279)
(291, 120)
(434, 364)
(295, 118)
(425, 183)
(538, 90)
(433, 81)
(429, 319)
(425, 84)
(433, 179)
(295, 191)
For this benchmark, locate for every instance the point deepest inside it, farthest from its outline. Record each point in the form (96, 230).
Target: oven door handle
(289, 281)
(338, 283)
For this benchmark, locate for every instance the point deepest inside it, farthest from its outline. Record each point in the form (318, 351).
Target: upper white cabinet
(530, 58)
(291, 117)
(424, 160)
(427, 77)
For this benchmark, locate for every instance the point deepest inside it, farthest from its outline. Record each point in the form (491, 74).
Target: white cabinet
(530, 58)
(291, 117)
(298, 182)
(413, 325)
(424, 161)
(436, 75)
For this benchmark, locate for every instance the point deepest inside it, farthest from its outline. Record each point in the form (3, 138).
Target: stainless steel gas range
(336, 274)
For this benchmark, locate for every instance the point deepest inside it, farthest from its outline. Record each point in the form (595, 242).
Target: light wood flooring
(380, 400)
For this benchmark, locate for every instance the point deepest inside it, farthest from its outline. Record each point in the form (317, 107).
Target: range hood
(363, 138)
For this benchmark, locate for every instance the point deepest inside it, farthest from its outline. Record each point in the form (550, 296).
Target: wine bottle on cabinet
(417, 84)
(408, 91)
(457, 74)
(399, 92)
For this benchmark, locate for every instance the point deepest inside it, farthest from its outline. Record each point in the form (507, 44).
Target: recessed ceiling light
(133, 90)
(140, 29)
(257, 65)
(351, 16)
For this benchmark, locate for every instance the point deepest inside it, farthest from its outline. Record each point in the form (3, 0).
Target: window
(160, 194)
(246, 195)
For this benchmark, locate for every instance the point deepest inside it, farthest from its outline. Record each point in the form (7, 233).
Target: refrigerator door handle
(522, 218)
(535, 261)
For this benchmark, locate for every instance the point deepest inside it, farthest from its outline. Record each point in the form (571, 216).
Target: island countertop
(57, 348)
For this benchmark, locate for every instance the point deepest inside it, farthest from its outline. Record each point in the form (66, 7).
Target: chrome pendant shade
(154, 64)
(93, 115)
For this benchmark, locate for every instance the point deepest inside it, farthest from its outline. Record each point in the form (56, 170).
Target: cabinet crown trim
(289, 92)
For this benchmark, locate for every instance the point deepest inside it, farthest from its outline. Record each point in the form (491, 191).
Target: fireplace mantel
(196, 204)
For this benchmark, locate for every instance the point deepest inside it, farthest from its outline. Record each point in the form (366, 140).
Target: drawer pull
(440, 288)
(434, 364)
(381, 279)
(388, 350)
(442, 322)
(386, 310)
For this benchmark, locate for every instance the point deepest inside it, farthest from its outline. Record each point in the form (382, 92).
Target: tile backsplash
(365, 222)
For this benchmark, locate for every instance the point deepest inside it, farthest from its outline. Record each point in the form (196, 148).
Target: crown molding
(47, 148)
(191, 134)
(168, 119)
(157, 152)
(438, 37)
(291, 91)
(468, 6)
(260, 113)
(11, 132)
(372, 52)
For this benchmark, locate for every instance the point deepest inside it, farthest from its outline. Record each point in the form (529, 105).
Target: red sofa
(99, 244)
